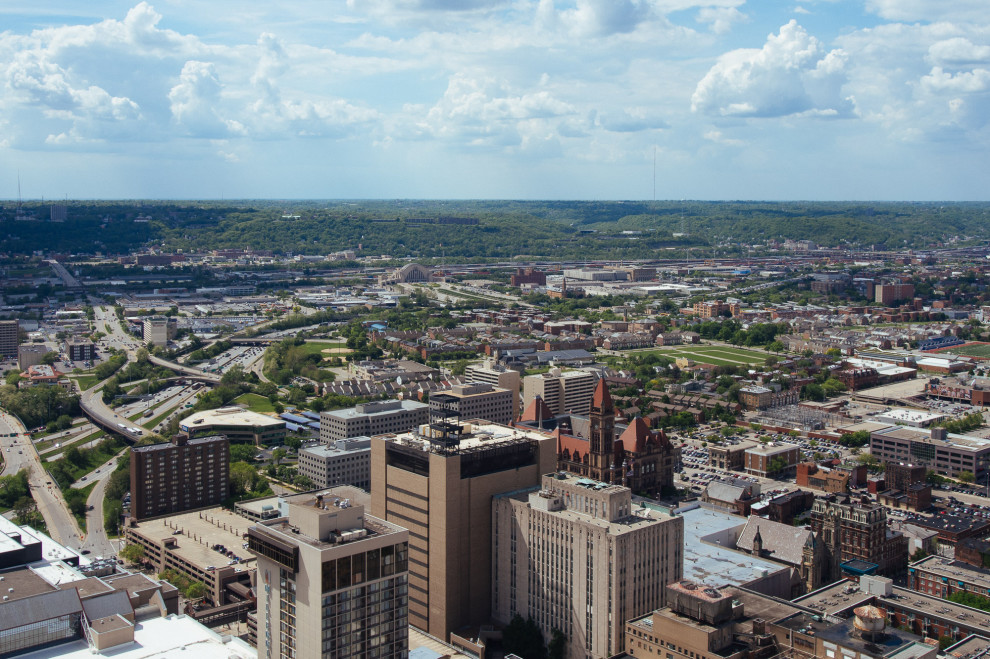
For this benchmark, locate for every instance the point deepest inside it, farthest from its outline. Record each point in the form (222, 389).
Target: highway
(19, 453)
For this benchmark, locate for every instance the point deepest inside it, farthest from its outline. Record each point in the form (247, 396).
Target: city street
(19, 453)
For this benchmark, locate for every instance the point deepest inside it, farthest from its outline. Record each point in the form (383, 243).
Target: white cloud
(957, 51)
(789, 75)
(721, 19)
(929, 10)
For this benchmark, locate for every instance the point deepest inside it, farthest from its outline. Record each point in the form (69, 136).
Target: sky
(495, 99)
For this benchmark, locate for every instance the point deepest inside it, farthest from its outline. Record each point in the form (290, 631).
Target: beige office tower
(493, 373)
(332, 582)
(564, 392)
(578, 556)
(439, 483)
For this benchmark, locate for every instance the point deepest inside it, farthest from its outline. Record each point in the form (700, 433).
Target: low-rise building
(771, 460)
(729, 457)
(237, 425)
(204, 545)
(941, 577)
(948, 454)
(30, 354)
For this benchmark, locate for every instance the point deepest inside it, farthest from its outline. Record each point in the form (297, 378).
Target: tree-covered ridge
(504, 229)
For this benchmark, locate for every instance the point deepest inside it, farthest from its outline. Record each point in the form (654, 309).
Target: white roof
(174, 636)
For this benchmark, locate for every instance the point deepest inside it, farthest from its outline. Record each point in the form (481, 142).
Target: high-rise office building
(332, 582)
(498, 376)
(179, 475)
(575, 555)
(440, 487)
(8, 339)
(564, 392)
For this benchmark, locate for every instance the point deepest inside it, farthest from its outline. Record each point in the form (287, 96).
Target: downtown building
(332, 582)
(564, 392)
(439, 484)
(370, 419)
(474, 401)
(576, 556)
(493, 373)
(183, 474)
(8, 339)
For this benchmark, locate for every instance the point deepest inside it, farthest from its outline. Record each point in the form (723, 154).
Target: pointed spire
(602, 400)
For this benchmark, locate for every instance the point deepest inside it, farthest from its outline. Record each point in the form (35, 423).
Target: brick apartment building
(179, 475)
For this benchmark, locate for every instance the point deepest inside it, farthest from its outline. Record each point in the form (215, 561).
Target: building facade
(158, 330)
(8, 339)
(853, 530)
(180, 475)
(332, 582)
(640, 459)
(370, 419)
(237, 425)
(498, 376)
(80, 350)
(575, 555)
(440, 487)
(945, 453)
(474, 401)
(564, 392)
(771, 460)
(345, 462)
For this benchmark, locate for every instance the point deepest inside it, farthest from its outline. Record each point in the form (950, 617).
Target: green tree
(132, 553)
(966, 476)
(242, 453)
(195, 591)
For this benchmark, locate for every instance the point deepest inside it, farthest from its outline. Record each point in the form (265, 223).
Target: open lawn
(85, 381)
(970, 350)
(41, 446)
(717, 355)
(255, 403)
(317, 347)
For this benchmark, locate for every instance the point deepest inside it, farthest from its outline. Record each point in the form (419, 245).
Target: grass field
(716, 355)
(85, 381)
(970, 350)
(255, 403)
(41, 446)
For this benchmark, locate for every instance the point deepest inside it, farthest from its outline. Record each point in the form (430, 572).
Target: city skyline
(505, 99)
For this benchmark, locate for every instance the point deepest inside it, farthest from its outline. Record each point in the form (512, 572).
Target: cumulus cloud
(958, 51)
(484, 113)
(791, 74)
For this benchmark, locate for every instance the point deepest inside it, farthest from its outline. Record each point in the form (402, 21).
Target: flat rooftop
(229, 416)
(952, 440)
(198, 532)
(717, 566)
(173, 637)
(376, 409)
(482, 434)
(953, 570)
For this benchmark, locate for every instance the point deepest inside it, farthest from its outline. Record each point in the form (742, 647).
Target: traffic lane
(62, 526)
